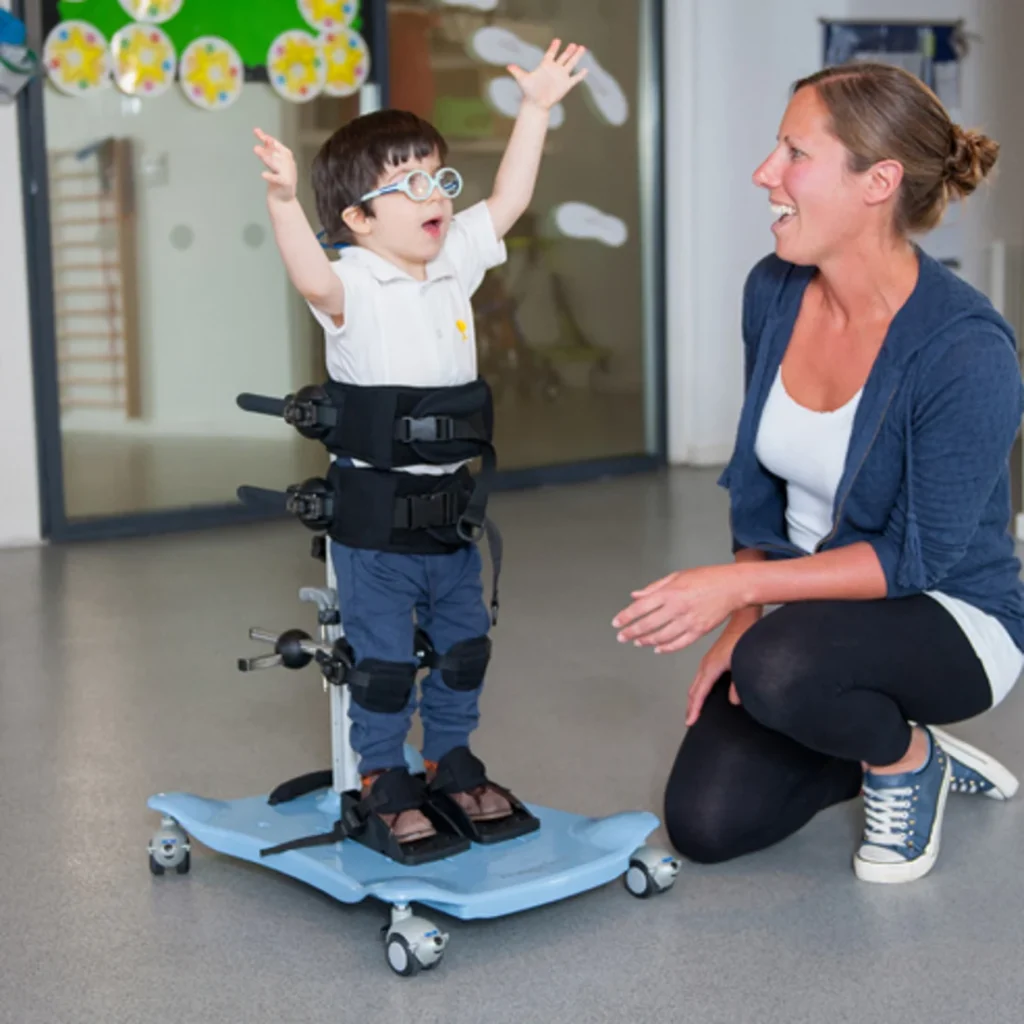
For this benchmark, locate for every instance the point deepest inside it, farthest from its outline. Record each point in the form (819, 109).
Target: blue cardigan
(926, 481)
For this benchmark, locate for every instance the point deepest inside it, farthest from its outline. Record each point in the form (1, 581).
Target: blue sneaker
(974, 771)
(904, 820)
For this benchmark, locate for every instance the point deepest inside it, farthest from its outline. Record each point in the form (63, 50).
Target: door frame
(54, 522)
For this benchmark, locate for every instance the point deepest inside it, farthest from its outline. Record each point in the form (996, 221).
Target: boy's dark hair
(352, 160)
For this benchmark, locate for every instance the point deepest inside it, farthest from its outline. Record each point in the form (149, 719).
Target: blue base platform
(567, 855)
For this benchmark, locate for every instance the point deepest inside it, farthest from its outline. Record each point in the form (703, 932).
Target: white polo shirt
(400, 331)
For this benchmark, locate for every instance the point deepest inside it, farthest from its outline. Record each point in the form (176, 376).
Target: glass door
(158, 293)
(568, 329)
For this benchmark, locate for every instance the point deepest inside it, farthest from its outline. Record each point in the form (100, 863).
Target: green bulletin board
(249, 25)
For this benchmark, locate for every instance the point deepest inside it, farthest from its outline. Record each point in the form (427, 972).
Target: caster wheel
(413, 944)
(651, 871)
(170, 848)
(401, 958)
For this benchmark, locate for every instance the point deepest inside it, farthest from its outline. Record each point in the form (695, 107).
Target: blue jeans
(378, 592)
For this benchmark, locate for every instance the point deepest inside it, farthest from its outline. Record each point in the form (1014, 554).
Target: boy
(396, 312)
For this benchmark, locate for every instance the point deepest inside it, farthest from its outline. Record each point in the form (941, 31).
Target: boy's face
(402, 229)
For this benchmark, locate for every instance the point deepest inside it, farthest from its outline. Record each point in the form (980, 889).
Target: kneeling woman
(870, 497)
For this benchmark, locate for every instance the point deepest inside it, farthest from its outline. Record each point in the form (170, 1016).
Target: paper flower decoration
(144, 60)
(211, 73)
(328, 14)
(295, 66)
(155, 11)
(76, 58)
(348, 62)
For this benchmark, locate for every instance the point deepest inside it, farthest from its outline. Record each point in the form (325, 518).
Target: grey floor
(117, 680)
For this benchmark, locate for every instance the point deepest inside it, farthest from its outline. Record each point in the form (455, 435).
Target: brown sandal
(482, 810)
(482, 803)
(407, 826)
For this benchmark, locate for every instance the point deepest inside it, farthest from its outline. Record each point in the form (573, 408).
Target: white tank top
(807, 450)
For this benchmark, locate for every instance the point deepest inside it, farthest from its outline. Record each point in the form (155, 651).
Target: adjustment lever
(309, 410)
(293, 648)
(263, 404)
(311, 502)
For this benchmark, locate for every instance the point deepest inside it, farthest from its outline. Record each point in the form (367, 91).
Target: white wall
(729, 68)
(19, 507)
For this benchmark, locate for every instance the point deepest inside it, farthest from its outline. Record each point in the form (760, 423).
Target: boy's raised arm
(542, 89)
(305, 260)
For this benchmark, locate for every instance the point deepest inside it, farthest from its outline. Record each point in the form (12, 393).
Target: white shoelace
(887, 812)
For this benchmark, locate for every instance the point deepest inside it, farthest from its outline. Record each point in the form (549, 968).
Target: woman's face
(819, 203)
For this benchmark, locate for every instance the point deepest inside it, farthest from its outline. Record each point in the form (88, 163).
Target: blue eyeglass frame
(402, 185)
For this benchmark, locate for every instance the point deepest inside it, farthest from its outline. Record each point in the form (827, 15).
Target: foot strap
(459, 771)
(294, 788)
(339, 831)
(393, 791)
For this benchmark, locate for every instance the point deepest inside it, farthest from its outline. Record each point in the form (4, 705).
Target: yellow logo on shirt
(463, 329)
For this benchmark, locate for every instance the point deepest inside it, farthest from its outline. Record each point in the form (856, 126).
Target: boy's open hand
(281, 174)
(553, 77)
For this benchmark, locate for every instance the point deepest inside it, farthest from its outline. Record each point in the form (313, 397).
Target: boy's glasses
(419, 186)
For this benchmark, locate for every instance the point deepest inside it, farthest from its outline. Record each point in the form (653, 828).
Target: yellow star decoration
(209, 73)
(323, 12)
(295, 67)
(78, 61)
(342, 62)
(151, 10)
(143, 64)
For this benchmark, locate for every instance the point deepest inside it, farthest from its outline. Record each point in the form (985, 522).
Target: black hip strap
(394, 426)
(413, 513)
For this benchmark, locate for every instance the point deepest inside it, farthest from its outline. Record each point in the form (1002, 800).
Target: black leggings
(824, 686)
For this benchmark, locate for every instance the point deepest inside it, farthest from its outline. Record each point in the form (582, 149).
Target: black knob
(289, 646)
(336, 665)
(342, 651)
(312, 502)
(307, 410)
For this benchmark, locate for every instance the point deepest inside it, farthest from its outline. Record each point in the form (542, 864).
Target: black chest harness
(378, 505)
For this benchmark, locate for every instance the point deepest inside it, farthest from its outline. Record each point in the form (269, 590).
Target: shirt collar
(386, 272)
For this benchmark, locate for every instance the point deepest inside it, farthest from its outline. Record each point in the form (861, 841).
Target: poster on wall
(933, 52)
(301, 47)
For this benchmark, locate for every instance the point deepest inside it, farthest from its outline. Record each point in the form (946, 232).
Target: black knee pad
(382, 686)
(464, 666)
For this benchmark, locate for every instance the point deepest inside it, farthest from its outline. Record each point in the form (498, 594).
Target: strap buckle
(423, 511)
(425, 428)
